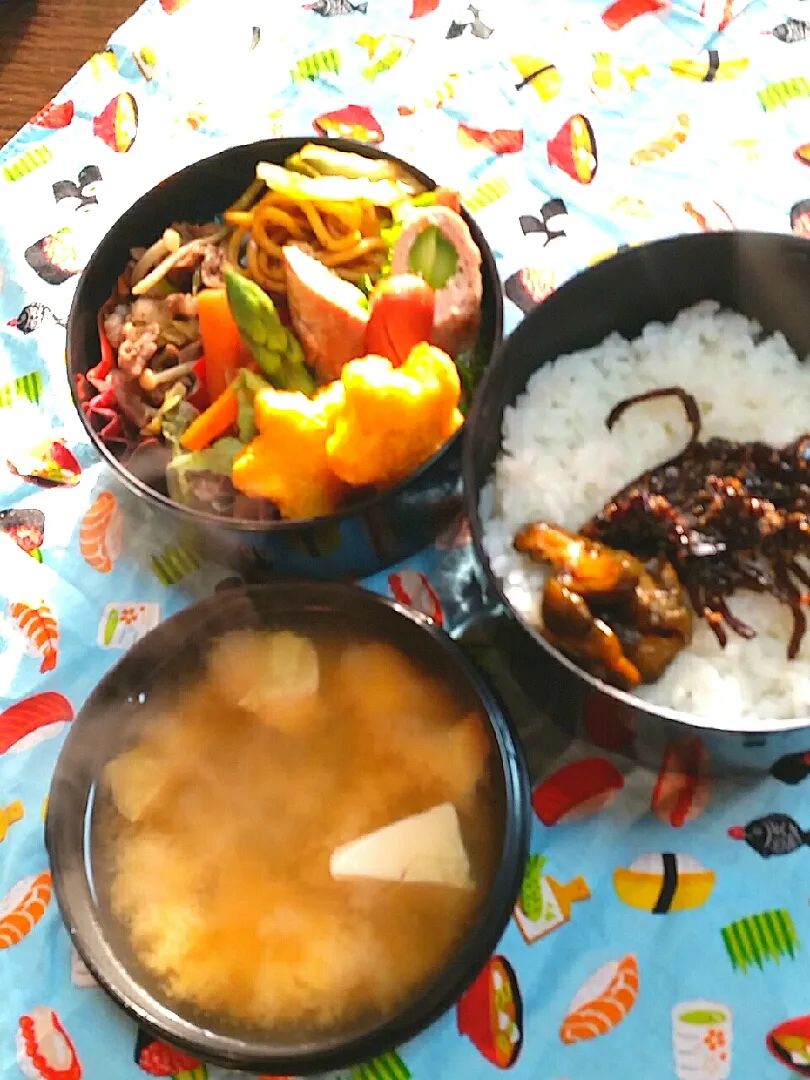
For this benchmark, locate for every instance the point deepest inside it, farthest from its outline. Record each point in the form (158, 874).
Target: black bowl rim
(472, 492)
(74, 891)
(489, 270)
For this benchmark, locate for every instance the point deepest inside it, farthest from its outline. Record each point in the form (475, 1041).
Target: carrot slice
(222, 344)
(213, 423)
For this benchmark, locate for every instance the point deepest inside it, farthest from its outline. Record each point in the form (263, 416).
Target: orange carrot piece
(213, 423)
(222, 344)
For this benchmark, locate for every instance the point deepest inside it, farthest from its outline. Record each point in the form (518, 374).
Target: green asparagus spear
(276, 350)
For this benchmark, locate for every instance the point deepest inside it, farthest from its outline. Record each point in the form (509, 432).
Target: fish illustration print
(792, 768)
(622, 12)
(790, 31)
(40, 627)
(328, 9)
(33, 316)
(774, 834)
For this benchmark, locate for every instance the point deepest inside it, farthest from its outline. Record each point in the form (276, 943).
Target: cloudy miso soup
(301, 836)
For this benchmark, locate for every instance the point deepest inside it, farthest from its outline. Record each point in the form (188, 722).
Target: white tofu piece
(426, 848)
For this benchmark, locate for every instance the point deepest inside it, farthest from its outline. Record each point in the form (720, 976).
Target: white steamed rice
(560, 464)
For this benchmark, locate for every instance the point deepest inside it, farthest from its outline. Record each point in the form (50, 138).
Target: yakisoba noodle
(345, 236)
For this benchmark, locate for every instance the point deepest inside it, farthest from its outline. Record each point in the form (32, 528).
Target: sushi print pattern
(661, 924)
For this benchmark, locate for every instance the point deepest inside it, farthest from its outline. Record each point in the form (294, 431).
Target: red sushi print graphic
(789, 1042)
(350, 122)
(157, 1058)
(412, 588)
(711, 217)
(22, 908)
(577, 790)
(423, 7)
(40, 627)
(682, 790)
(33, 720)
(623, 12)
(117, 123)
(101, 533)
(54, 115)
(603, 1001)
(170, 6)
(490, 1013)
(498, 141)
(573, 149)
(45, 1051)
(726, 15)
(607, 723)
(48, 464)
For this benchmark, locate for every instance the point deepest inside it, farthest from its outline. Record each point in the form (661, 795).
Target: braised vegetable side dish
(314, 346)
(301, 837)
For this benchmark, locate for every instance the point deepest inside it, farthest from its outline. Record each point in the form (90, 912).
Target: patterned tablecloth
(652, 939)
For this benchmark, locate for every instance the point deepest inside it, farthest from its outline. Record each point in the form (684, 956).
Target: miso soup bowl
(113, 711)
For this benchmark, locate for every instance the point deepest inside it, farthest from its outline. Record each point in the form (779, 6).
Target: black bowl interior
(765, 276)
(109, 722)
(197, 194)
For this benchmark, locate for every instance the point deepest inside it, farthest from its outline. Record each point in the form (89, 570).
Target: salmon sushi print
(40, 627)
(22, 908)
(45, 1051)
(602, 1001)
(101, 533)
(33, 720)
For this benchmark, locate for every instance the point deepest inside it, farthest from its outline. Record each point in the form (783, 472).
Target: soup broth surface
(215, 830)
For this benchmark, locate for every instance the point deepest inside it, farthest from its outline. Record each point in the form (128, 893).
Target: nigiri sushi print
(411, 587)
(33, 720)
(45, 1051)
(603, 1001)
(39, 625)
(577, 790)
(664, 882)
(682, 790)
(22, 908)
(101, 533)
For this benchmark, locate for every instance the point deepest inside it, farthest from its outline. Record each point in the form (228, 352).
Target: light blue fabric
(673, 154)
